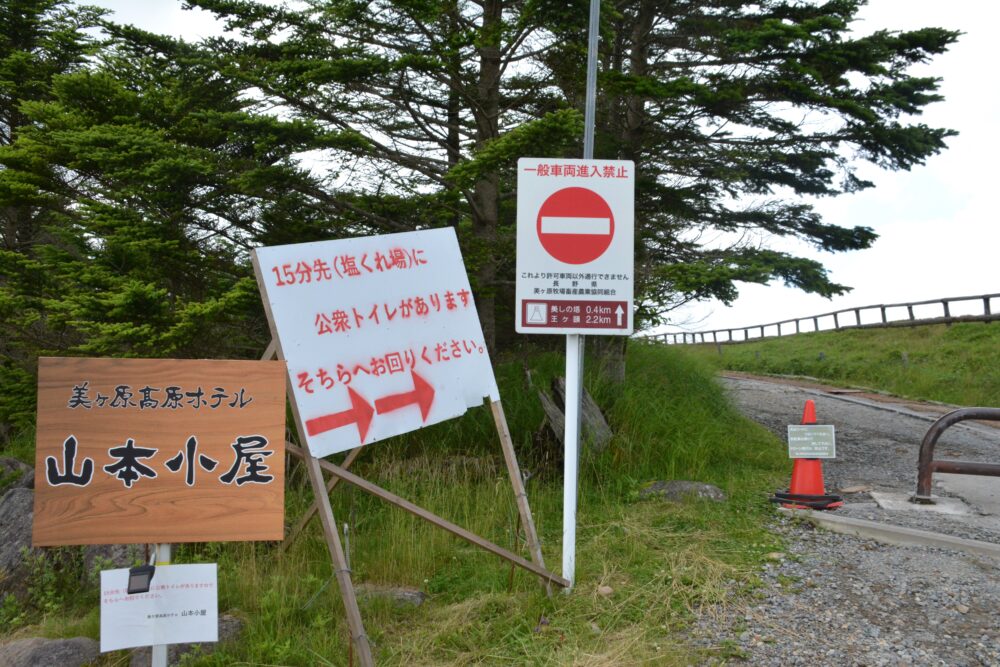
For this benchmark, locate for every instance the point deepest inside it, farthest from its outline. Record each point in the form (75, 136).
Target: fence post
(947, 309)
(815, 324)
(909, 309)
(857, 315)
(884, 320)
(797, 330)
(836, 321)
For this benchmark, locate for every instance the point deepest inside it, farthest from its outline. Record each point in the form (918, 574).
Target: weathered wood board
(158, 450)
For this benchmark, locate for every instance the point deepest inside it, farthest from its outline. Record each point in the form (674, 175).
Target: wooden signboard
(157, 451)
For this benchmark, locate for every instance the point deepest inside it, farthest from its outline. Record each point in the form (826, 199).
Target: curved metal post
(926, 465)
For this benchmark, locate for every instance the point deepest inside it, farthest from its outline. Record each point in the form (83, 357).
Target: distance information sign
(575, 258)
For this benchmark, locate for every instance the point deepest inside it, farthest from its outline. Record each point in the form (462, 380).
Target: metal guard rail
(927, 466)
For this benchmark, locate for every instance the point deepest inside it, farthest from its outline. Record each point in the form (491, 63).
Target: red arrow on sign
(422, 395)
(360, 413)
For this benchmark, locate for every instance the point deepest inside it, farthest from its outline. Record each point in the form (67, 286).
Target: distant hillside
(957, 364)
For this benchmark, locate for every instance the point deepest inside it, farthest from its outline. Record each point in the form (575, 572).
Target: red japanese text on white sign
(381, 334)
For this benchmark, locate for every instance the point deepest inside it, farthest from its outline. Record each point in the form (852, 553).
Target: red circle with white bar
(575, 225)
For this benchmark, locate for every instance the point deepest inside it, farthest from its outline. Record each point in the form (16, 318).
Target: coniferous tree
(736, 113)
(733, 111)
(39, 40)
(147, 181)
(441, 93)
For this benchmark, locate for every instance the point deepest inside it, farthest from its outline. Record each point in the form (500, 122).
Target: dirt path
(833, 599)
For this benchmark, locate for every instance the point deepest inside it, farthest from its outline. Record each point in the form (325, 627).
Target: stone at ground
(97, 557)
(14, 473)
(38, 652)
(399, 596)
(230, 627)
(16, 511)
(679, 490)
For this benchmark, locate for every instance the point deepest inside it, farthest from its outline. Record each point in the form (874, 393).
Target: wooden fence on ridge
(882, 315)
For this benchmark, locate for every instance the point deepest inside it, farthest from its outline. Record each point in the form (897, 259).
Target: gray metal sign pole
(575, 342)
(158, 652)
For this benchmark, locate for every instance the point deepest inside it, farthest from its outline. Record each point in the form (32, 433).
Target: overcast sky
(938, 228)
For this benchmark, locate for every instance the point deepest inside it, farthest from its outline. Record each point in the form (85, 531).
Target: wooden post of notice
(514, 470)
(359, 640)
(321, 499)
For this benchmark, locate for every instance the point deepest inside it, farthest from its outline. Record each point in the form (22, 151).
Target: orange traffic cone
(809, 413)
(807, 478)
(806, 490)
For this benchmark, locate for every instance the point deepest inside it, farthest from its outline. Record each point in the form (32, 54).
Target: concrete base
(893, 534)
(900, 502)
(980, 491)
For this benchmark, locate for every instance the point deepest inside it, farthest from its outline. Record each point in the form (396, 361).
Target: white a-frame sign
(381, 337)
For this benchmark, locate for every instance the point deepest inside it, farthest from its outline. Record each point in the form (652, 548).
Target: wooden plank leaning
(271, 352)
(359, 639)
(517, 482)
(420, 512)
(314, 507)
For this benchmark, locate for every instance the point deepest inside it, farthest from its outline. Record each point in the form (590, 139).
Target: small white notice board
(575, 256)
(182, 606)
(380, 334)
(812, 441)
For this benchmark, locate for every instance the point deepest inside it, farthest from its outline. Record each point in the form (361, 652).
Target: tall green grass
(958, 364)
(661, 560)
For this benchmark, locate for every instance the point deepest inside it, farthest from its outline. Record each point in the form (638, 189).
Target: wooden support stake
(420, 512)
(270, 352)
(359, 640)
(514, 470)
(314, 507)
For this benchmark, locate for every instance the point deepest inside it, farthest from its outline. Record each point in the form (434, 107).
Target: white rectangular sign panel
(380, 334)
(812, 441)
(575, 256)
(182, 606)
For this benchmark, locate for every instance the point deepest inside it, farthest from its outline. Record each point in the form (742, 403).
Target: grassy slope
(959, 364)
(661, 559)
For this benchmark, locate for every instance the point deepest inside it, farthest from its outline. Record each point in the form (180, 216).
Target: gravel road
(833, 599)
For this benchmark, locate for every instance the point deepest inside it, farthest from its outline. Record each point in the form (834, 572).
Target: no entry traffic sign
(575, 225)
(575, 234)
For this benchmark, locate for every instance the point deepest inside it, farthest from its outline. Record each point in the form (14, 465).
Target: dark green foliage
(733, 111)
(137, 171)
(132, 193)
